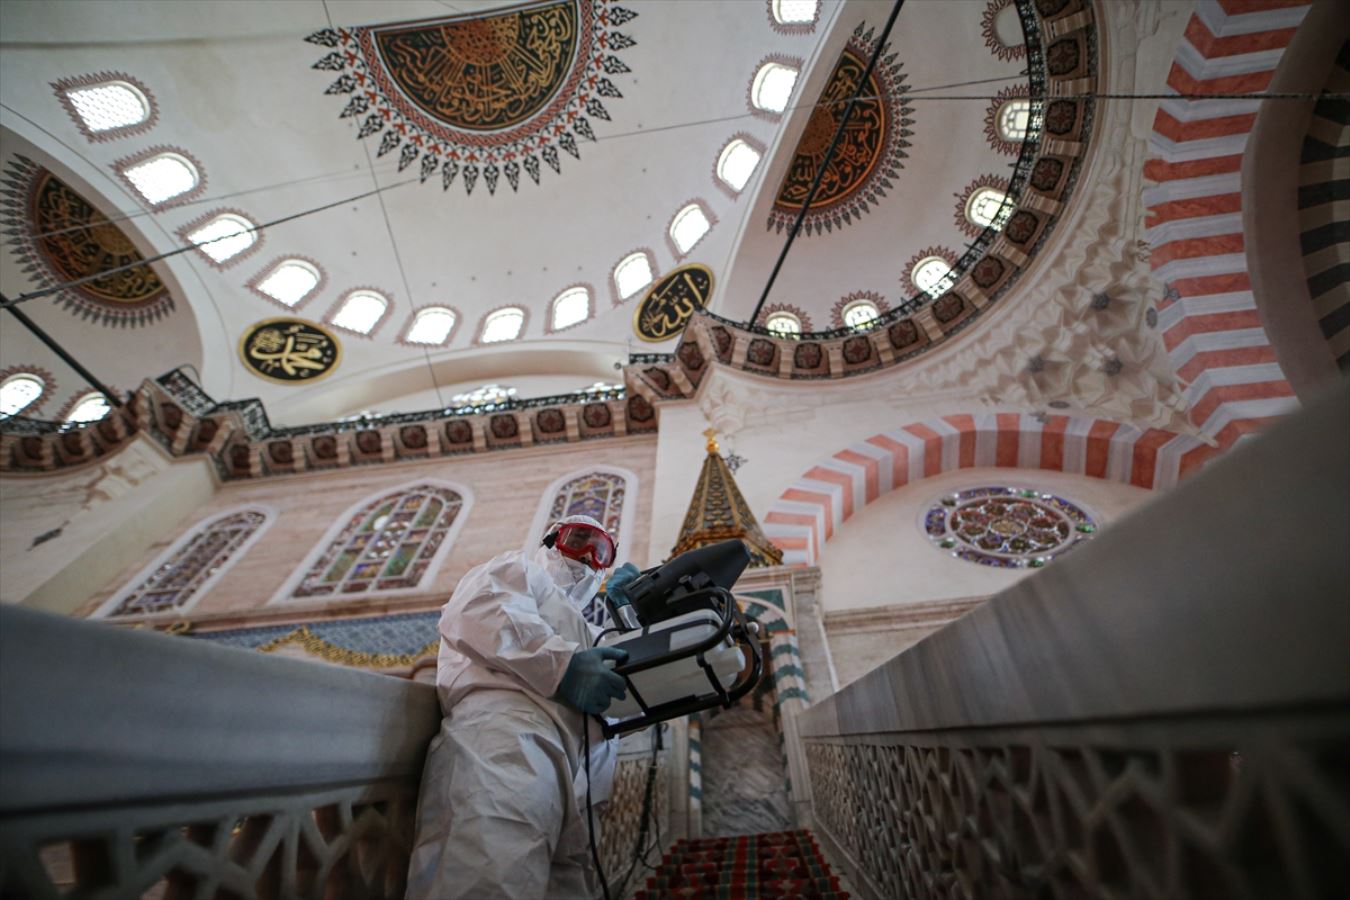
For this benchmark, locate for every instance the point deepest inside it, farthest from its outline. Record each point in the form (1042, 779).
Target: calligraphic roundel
(482, 97)
(671, 303)
(60, 237)
(290, 351)
(483, 74)
(870, 151)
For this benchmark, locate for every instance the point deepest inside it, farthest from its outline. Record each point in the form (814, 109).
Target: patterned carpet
(782, 864)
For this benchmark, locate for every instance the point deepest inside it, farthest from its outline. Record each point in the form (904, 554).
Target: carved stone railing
(134, 762)
(130, 760)
(1165, 712)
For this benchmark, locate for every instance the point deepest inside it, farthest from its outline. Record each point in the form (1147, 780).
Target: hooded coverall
(502, 809)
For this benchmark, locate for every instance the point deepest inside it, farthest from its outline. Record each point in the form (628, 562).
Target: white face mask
(578, 581)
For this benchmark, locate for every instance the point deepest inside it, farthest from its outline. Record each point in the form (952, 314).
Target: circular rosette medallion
(290, 351)
(1007, 527)
(672, 301)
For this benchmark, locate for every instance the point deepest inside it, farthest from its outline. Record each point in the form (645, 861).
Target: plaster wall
(881, 556)
(506, 488)
(121, 509)
(859, 652)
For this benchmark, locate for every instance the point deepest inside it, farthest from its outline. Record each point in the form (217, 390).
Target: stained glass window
(595, 494)
(172, 584)
(387, 544)
(1011, 528)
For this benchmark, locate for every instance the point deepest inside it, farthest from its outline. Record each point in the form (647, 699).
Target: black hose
(590, 822)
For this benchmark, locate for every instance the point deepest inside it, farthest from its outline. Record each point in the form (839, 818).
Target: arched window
(929, 275)
(502, 325)
(431, 326)
(19, 392)
(393, 542)
(289, 281)
(632, 274)
(737, 163)
(361, 311)
(988, 206)
(1013, 119)
(795, 12)
(860, 313)
(106, 107)
(784, 324)
(163, 177)
(172, 582)
(772, 87)
(224, 237)
(605, 493)
(89, 408)
(689, 226)
(571, 307)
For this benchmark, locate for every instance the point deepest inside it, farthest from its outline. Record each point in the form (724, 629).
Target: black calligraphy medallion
(869, 153)
(290, 351)
(670, 303)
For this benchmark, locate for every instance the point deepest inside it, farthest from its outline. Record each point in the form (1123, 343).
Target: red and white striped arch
(1208, 317)
(813, 507)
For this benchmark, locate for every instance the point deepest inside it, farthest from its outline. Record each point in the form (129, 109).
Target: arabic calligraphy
(289, 350)
(859, 149)
(484, 74)
(79, 241)
(672, 301)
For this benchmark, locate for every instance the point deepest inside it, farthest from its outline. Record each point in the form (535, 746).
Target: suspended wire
(76, 282)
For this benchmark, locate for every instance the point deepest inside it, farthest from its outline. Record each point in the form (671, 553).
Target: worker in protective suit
(502, 811)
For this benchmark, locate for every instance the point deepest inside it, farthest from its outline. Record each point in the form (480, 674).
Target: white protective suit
(502, 810)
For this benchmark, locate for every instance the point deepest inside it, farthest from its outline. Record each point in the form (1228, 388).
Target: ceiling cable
(76, 282)
(829, 155)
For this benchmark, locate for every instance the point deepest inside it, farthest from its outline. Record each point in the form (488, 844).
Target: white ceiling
(234, 88)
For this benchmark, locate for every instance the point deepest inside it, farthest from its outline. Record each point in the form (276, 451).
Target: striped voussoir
(782, 864)
(1323, 198)
(1208, 315)
(813, 507)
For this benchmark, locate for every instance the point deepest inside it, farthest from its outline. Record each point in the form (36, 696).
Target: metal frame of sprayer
(692, 592)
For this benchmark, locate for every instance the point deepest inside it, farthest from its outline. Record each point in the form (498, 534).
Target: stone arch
(1197, 207)
(810, 509)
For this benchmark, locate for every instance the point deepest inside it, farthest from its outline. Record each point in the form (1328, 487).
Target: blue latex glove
(588, 684)
(614, 589)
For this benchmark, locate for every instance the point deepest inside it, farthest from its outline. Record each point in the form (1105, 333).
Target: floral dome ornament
(483, 96)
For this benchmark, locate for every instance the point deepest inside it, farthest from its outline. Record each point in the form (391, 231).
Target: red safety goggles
(586, 543)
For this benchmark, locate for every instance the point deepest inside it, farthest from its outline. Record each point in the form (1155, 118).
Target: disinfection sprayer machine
(689, 645)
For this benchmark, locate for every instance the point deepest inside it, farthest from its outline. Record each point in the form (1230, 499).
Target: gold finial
(711, 435)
